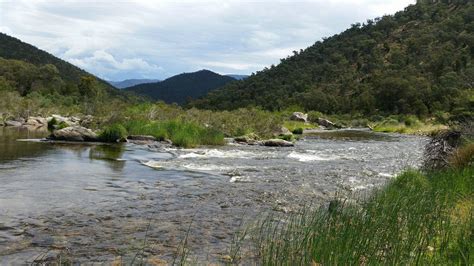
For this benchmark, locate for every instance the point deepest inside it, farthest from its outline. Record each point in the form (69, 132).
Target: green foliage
(113, 133)
(231, 123)
(287, 137)
(416, 219)
(182, 134)
(418, 61)
(298, 131)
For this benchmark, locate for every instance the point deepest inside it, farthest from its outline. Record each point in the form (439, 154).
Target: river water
(98, 203)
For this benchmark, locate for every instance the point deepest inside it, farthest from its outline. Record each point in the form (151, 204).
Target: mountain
(418, 61)
(237, 77)
(15, 49)
(180, 88)
(131, 82)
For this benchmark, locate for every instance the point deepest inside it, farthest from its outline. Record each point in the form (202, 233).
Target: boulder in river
(70, 121)
(36, 121)
(13, 123)
(298, 116)
(277, 143)
(87, 121)
(326, 123)
(74, 133)
(250, 139)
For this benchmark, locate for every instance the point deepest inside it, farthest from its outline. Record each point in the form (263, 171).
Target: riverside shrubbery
(113, 133)
(182, 134)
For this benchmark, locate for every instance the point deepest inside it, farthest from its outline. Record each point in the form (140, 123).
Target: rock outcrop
(298, 116)
(74, 133)
(326, 123)
(277, 143)
(36, 121)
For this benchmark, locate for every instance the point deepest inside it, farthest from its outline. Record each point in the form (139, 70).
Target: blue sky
(118, 40)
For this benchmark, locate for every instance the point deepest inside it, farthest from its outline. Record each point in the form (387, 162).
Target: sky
(118, 40)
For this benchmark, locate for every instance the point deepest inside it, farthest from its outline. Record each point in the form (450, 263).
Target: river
(97, 203)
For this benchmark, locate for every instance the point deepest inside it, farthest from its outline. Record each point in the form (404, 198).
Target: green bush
(313, 116)
(182, 134)
(52, 123)
(298, 131)
(113, 133)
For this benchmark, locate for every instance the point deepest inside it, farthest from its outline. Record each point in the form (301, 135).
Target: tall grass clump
(113, 133)
(417, 219)
(182, 134)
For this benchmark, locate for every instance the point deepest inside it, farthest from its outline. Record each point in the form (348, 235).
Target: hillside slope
(418, 61)
(13, 48)
(180, 88)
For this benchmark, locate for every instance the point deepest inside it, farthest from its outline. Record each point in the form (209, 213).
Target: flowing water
(95, 203)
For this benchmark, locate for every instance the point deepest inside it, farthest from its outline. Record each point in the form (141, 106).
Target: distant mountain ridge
(182, 87)
(131, 82)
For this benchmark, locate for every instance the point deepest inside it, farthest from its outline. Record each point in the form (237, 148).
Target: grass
(416, 219)
(182, 134)
(408, 125)
(113, 133)
(297, 125)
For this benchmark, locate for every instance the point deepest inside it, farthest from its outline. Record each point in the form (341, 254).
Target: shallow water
(99, 202)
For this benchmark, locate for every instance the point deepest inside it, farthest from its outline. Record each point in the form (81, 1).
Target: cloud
(135, 39)
(106, 64)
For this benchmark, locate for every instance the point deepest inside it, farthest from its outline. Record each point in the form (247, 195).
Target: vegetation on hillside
(182, 87)
(12, 48)
(27, 89)
(418, 61)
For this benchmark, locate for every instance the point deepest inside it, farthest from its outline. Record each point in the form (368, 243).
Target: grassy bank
(408, 125)
(182, 134)
(416, 219)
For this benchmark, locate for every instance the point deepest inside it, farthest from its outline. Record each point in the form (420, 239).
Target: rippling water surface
(98, 202)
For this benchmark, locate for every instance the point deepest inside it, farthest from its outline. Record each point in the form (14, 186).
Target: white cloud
(106, 64)
(131, 39)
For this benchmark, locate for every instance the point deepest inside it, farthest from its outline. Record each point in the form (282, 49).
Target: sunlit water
(97, 202)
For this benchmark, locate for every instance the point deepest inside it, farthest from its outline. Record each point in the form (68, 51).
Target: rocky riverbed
(102, 202)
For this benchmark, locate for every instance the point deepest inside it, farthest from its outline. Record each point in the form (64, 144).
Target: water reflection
(10, 149)
(110, 154)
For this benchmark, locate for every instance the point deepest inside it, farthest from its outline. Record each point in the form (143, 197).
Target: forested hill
(417, 61)
(12, 48)
(182, 87)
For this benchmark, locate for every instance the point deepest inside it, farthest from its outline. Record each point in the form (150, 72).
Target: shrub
(113, 133)
(298, 131)
(411, 121)
(52, 123)
(463, 157)
(313, 116)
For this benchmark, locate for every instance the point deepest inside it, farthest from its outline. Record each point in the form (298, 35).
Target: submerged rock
(298, 116)
(277, 143)
(74, 133)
